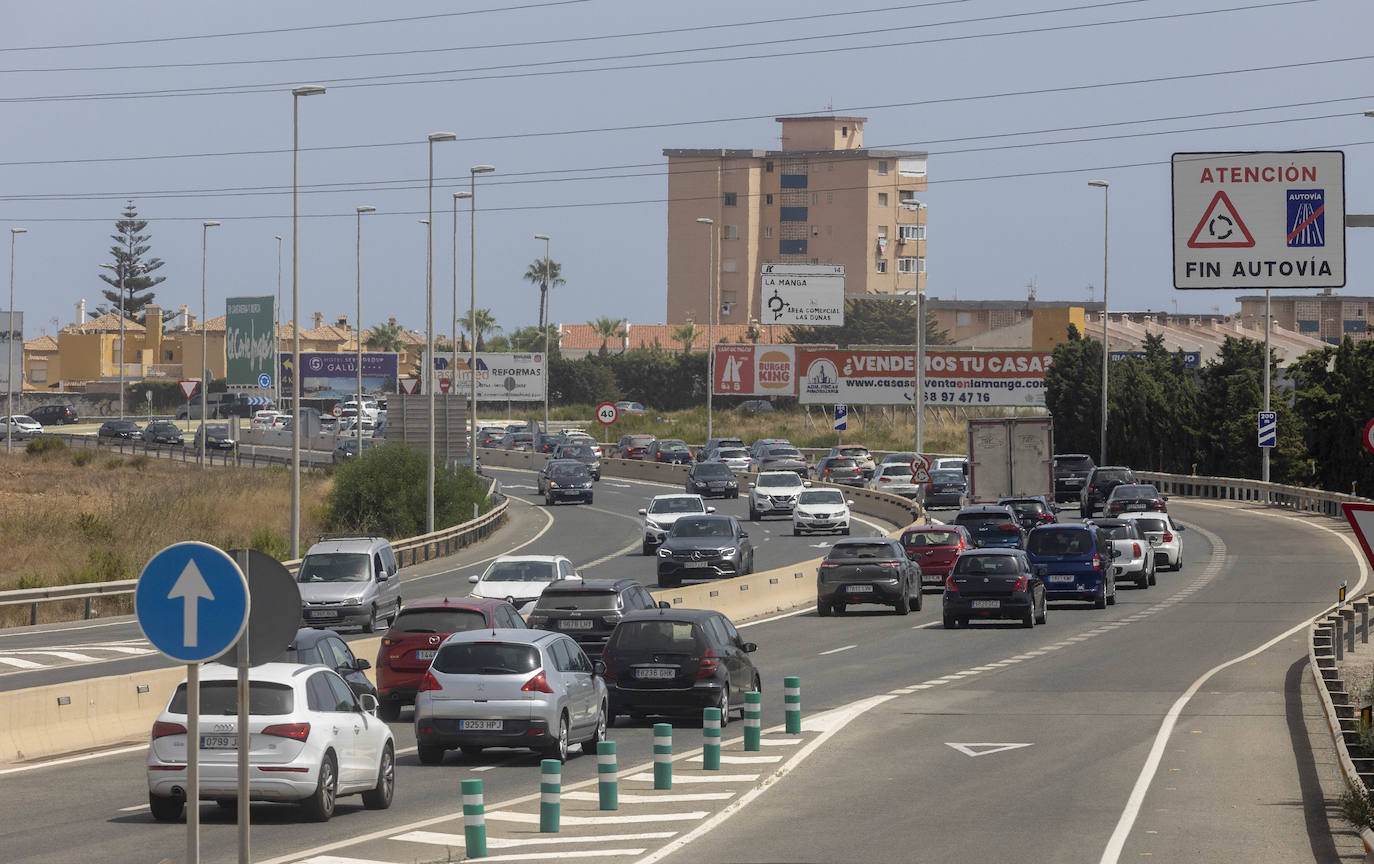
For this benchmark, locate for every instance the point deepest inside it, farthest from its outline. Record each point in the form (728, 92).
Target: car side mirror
(751, 485)
(362, 664)
(643, 511)
(849, 503)
(598, 668)
(473, 580)
(1042, 570)
(749, 647)
(1164, 497)
(710, 509)
(381, 576)
(664, 604)
(367, 703)
(1180, 528)
(806, 483)
(744, 535)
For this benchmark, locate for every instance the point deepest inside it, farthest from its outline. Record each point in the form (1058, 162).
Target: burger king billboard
(755, 370)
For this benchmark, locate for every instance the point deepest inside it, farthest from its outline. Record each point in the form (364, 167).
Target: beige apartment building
(821, 199)
(1325, 316)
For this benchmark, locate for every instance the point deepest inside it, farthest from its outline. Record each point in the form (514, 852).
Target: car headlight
(728, 552)
(699, 484)
(664, 552)
(353, 601)
(553, 485)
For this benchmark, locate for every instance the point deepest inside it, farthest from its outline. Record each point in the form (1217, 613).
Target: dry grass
(64, 523)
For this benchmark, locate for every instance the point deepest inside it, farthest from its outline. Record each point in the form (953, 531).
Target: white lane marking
(512, 550)
(481, 767)
(133, 809)
(114, 623)
(666, 797)
(741, 760)
(837, 650)
(800, 611)
(438, 838)
(983, 748)
(779, 742)
(692, 778)
(21, 664)
(563, 854)
(335, 859)
(74, 656)
(623, 819)
(1131, 812)
(69, 759)
(928, 625)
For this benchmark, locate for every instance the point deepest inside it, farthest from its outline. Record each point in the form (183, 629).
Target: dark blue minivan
(1074, 561)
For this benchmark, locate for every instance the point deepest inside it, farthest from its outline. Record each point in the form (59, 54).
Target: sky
(186, 109)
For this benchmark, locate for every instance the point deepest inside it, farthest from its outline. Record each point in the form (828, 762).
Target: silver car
(510, 688)
(349, 582)
(896, 478)
(736, 457)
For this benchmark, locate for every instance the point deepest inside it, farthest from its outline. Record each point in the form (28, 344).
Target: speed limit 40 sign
(606, 413)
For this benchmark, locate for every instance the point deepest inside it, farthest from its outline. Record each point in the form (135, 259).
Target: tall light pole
(453, 375)
(204, 336)
(429, 332)
(710, 314)
(9, 347)
(1102, 184)
(472, 310)
(296, 418)
(358, 325)
(276, 329)
(544, 322)
(120, 271)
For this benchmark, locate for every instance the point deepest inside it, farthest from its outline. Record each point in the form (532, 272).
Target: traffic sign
(1361, 519)
(189, 386)
(1369, 436)
(191, 602)
(920, 469)
(444, 384)
(408, 384)
(841, 418)
(337, 410)
(265, 381)
(1268, 428)
(1259, 220)
(607, 413)
(276, 603)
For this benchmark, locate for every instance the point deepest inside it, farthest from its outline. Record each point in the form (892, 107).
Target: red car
(1135, 498)
(414, 637)
(935, 548)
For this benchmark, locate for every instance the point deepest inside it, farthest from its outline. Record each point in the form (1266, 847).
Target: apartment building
(823, 198)
(1328, 317)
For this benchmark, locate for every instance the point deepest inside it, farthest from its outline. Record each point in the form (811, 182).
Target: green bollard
(791, 704)
(474, 819)
(608, 783)
(710, 733)
(550, 795)
(663, 755)
(753, 715)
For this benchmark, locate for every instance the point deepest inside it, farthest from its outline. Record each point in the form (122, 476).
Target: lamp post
(472, 310)
(453, 366)
(120, 358)
(296, 419)
(276, 328)
(544, 323)
(204, 337)
(710, 314)
(1102, 184)
(9, 350)
(358, 327)
(429, 332)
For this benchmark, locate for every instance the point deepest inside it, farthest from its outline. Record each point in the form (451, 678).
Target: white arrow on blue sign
(1268, 428)
(192, 602)
(841, 418)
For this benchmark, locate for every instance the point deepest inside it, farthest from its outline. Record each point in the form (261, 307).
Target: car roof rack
(323, 537)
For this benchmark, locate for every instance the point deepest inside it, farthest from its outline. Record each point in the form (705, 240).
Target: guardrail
(1298, 498)
(409, 551)
(239, 457)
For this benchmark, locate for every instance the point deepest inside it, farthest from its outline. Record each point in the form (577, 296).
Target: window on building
(921, 265)
(815, 231)
(911, 232)
(963, 319)
(880, 265)
(727, 265)
(882, 199)
(731, 199)
(907, 198)
(906, 265)
(844, 131)
(830, 197)
(882, 230)
(729, 232)
(882, 166)
(768, 199)
(815, 197)
(768, 232)
(815, 260)
(768, 166)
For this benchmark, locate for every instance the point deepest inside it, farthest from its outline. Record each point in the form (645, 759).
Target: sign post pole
(192, 763)
(606, 414)
(1264, 451)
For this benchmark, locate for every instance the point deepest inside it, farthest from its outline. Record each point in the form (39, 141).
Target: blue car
(992, 526)
(1075, 562)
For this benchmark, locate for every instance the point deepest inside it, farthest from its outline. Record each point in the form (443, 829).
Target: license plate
(860, 589)
(987, 604)
(321, 613)
(219, 742)
(696, 565)
(1061, 577)
(575, 624)
(481, 725)
(1140, 506)
(425, 654)
(656, 673)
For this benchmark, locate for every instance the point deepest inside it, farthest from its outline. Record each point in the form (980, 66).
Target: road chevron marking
(984, 748)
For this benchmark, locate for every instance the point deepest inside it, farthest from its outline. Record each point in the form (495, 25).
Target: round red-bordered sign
(606, 413)
(920, 469)
(1369, 436)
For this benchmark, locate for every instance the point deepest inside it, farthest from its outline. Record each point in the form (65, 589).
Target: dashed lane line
(438, 838)
(836, 650)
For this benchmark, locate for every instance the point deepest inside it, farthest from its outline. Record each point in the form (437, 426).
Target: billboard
(517, 377)
(249, 341)
(334, 374)
(809, 294)
(11, 334)
(952, 378)
(755, 370)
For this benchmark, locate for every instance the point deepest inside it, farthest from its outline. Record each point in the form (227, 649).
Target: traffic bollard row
(474, 819)
(753, 721)
(710, 739)
(663, 756)
(608, 783)
(550, 795)
(791, 704)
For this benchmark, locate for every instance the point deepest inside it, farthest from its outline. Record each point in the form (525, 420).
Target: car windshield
(1151, 524)
(821, 496)
(1135, 492)
(1073, 463)
(221, 698)
(334, 567)
(486, 658)
(714, 469)
(779, 480)
(1119, 532)
(640, 440)
(677, 505)
(556, 601)
(981, 520)
(875, 551)
(519, 571)
(578, 451)
(1112, 475)
(839, 462)
(784, 451)
(1056, 541)
(577, 470)
(931, 538)
(854, 452)
(659, 634)
(24, 418)
(438, 621)
(1027, 508)
(896, 471)
(220, 429)
(702, 528)
(982, 565)
(946, 476)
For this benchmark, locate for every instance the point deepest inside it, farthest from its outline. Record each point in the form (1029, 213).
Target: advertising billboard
(517, 377)
(334, 374)
(755, 370)
(249, 342)
(11, 334)
(952, 378)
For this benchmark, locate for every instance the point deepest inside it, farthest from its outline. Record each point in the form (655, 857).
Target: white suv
(1165, 536)
(350, 582)
(774, 492)
(663, 511)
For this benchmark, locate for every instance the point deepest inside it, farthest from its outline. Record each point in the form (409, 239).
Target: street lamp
(204, 338)
(472, 311)
(296, 419)
(9, 349)
(453, 375)
(429, 332)
(358, 324)
(276, 328)
(544, 323)
(1102, 184)
(135, 268)
(710, 315)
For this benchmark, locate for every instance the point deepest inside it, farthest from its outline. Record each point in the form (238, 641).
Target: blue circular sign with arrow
(265, 381)
(192, 602)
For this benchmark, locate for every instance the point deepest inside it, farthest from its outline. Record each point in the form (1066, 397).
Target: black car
(709, 479)
(118, 430)
(1099, 485)
(1031, 511)
(588, 610)
(669, 451)
(347, 448)
(580, 452)
(55, 415)
(163, 432)
(868, 570)
(677, 662)
(704, 547)
(216, 436)
(1070, 473)
(545, 442)
(839, 469)
(566, 480)
(947, 488)
(992, 525)
(324, 647)
(993, 583)
(522, 441)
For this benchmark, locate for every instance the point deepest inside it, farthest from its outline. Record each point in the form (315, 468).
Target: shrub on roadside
(81, 458)
(382, 491)
(271, 542)
(44, 444)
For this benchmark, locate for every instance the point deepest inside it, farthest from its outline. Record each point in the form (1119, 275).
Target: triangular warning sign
(983, 749)
(189, 385)
(1361, 519)
(1220, 227)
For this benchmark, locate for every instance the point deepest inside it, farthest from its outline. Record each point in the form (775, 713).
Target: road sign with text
(1268, 428)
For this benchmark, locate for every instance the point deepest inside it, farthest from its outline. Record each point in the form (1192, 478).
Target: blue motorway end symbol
(192, 602)
(265, 381)
(1306, 225)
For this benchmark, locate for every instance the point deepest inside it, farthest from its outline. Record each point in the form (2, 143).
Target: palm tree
(686, 334)
(486, 323)
(385, 337)
(605, 328)
(546, 273)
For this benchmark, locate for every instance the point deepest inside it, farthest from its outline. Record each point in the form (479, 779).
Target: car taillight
(707, 668)
(884, 480)
(1167, 538)
(429, 683)
(294, 731)
(608, 662)
(538, 684)
(1135, 547)
(387, 642)
(1010, 526)
(610, 620)
(536, 621)
(1021, 584)
(1158, 503)
(161, 729)
(1097, 562)
(949, 584)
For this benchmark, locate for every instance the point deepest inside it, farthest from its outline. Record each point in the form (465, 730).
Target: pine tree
(131, 269)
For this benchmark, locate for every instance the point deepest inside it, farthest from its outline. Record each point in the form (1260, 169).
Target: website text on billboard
(886, 377)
